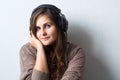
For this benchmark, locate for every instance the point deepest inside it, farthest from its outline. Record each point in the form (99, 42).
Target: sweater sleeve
(27, 62)
(76, 64)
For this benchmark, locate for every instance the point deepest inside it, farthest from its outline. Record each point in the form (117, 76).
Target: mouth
(45, 38)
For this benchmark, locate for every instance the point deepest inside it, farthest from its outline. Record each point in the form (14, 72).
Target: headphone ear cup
(63, 22)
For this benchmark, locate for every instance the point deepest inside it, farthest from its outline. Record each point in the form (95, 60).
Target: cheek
(38, 34)
(55, 34)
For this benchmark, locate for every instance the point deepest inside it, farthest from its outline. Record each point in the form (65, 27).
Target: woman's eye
(37, 28)
(48, 26)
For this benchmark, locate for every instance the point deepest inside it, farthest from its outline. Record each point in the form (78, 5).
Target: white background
(93, 24)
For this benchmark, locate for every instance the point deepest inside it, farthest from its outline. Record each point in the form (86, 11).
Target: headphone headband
(52, 7)
(63, 23)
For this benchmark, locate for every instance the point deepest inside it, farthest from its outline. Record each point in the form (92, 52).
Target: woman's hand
(35, 42)
(41, 60)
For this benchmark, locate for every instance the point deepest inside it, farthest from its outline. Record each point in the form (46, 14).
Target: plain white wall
(93, 24)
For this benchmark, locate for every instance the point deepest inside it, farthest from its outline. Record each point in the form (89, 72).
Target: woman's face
(46, 30)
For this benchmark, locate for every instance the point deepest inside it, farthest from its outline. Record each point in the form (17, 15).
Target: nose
(43, 32)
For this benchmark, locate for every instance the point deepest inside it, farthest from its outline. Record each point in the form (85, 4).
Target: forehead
(43, 19)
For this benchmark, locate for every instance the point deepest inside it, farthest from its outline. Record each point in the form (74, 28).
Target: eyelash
(37, 28)
(46, 26)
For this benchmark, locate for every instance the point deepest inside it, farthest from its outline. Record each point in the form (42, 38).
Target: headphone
(62, 21)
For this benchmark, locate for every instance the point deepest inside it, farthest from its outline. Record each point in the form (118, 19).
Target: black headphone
(62, 21)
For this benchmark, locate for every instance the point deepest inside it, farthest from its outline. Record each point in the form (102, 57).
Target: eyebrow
(51, 23)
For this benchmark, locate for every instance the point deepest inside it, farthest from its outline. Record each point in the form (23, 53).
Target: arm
(33, 63)
(41, 61)
(75, 66)
(27, 63)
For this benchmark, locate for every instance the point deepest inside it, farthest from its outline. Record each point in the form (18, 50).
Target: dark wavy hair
(57, 61)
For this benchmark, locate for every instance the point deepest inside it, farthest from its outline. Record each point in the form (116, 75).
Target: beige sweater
(74, 71)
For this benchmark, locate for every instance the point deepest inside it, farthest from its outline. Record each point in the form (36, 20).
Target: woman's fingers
(34, 41)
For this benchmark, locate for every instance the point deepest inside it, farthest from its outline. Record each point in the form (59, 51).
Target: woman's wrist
(41, 61)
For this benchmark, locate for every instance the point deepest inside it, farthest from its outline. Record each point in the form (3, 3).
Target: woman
(48, 55)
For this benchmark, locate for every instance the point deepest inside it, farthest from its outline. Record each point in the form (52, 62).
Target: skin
(46, 30)
(46, 35)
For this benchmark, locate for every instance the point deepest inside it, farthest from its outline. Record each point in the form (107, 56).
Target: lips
(45, 38)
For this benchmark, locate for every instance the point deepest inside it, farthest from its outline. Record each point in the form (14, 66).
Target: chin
(46, 44)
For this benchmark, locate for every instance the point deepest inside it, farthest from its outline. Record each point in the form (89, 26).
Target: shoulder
(27, 49)
(75, 50)
(26, 46)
